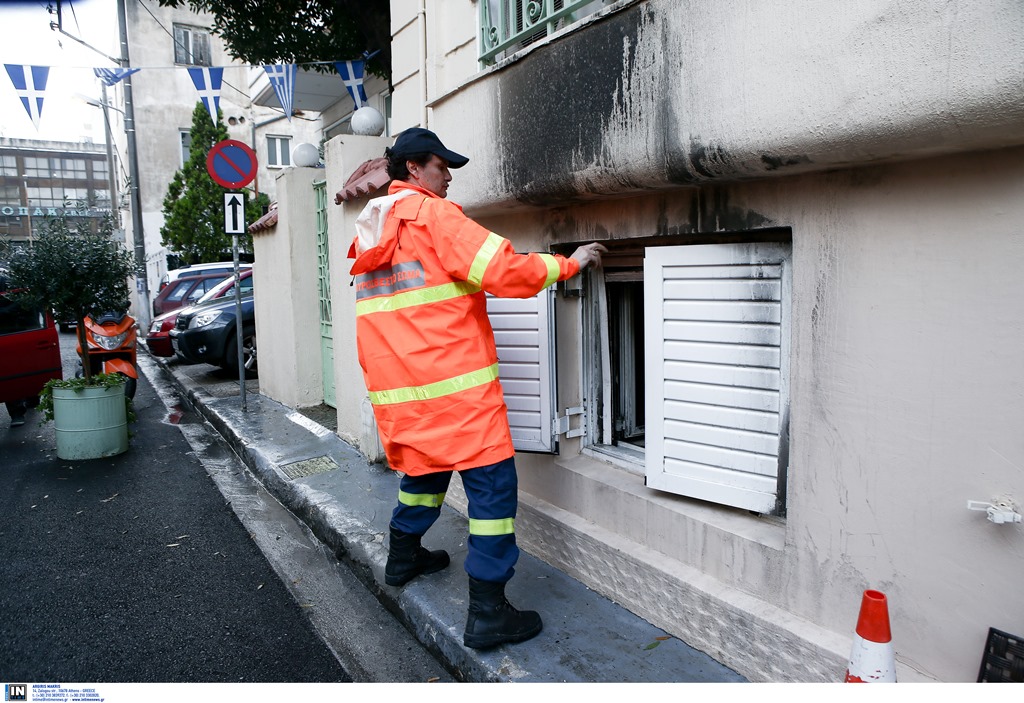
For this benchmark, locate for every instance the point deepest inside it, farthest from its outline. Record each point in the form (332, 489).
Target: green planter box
(91, 423)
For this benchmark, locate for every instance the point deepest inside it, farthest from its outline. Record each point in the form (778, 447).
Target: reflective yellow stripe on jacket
(419, 296)
(436, 390)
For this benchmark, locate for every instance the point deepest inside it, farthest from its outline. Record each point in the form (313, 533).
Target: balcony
(506, 26)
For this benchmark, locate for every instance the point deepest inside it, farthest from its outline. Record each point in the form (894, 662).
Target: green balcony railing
(508, 25)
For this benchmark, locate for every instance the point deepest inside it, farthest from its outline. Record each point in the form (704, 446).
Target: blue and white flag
(207, 82)
(282, 77)
(110, 76)
(352, 73)
(30, 84)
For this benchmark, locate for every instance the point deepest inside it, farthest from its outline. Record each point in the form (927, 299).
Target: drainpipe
(423, 62)
(133, 174)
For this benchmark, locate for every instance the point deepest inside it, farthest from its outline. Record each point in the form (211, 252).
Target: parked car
(158, 341)
(185, 291)
(224, 267)
(30, 349)
(207, 335)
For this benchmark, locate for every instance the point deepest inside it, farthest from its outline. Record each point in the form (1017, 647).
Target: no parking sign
(231, 163)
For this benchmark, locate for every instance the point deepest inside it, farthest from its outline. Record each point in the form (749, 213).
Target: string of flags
(30, 83)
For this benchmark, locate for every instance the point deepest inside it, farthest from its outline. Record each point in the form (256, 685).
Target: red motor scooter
(111, 339)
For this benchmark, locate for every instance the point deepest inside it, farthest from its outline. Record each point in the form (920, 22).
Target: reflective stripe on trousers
(493, 498)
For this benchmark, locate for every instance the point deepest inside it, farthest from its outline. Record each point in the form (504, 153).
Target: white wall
(287, 295)
(343, 156)
(907, 399)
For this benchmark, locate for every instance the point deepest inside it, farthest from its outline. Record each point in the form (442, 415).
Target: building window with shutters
(686, 367)
(191, 46)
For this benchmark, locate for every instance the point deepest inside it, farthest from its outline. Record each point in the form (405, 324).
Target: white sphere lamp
(305, 154)
(368, 122)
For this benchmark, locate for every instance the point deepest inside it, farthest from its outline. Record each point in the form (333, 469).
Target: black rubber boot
(492, 620)
(407, 559)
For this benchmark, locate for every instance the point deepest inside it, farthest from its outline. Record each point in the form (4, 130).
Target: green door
(324, 275)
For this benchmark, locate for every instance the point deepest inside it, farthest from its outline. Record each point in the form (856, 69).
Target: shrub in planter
(75, 273)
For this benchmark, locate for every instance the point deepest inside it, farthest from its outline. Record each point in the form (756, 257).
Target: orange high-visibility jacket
(425, 342)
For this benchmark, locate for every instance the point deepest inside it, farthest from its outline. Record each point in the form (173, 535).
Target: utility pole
(142, 276)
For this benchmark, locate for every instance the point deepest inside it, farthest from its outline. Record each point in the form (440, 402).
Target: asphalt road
(147, 567)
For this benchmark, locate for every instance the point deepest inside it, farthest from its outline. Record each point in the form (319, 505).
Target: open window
(685, 367)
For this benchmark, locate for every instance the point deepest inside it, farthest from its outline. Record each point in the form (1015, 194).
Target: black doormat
(1003, 661)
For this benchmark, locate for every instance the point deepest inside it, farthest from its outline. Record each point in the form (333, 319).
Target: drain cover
(309, 467)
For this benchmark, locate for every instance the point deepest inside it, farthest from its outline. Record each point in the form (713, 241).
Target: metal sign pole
(234, 222)
(232, 164)
(238, 321)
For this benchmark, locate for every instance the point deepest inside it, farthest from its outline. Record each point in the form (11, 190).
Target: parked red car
(30, 351)
(158, 342)
(185, 291)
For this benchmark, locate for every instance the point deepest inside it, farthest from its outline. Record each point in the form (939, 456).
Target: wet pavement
(347, 501)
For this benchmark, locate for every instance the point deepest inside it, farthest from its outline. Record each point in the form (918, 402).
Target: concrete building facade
(796, 376)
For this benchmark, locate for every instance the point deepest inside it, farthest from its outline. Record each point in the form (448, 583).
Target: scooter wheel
(129, 386)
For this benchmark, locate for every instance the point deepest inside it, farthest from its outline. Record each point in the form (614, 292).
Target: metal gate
(323, 260)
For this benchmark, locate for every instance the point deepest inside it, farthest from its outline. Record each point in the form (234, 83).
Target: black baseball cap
(417, 140)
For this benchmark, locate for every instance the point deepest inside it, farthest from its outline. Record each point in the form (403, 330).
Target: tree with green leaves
(74, 272)
(194, 205)
(301, 31)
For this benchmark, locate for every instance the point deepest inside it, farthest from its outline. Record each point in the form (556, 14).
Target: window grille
(506, 26)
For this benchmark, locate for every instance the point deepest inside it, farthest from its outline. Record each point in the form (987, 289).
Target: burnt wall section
(553, 110)
(662, 95)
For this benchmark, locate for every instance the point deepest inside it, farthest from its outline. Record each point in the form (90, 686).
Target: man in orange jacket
(431, 369)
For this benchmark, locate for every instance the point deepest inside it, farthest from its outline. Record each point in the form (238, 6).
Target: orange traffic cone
(872, 659)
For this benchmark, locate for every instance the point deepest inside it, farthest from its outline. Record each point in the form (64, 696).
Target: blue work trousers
(493, 498)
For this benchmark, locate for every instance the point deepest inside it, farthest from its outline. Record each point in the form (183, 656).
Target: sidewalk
(347, 503)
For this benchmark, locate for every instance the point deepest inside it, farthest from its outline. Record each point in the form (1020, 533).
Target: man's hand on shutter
(589, 254)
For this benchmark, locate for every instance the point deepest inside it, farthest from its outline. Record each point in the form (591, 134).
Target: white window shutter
(717, 361)
(523, 334)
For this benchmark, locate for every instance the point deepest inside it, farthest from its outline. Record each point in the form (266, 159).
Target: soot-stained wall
(553, 107)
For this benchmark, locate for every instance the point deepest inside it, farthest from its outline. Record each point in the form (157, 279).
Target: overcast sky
(28, 39)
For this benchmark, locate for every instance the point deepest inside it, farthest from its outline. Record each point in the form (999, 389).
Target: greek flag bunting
(282, 78)
(207, 82)
(110, 76)
(30, 84)
(351, 73)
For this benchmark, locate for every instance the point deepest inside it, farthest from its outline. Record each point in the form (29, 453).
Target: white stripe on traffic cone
(872, 659)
